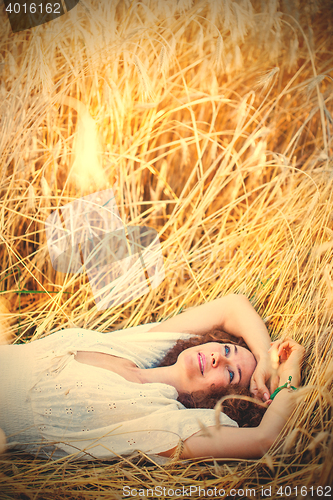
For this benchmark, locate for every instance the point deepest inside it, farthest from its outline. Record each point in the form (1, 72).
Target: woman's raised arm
(236, 315)
(233, 313)
(244, 442)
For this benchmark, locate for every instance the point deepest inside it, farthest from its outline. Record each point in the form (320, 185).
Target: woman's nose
(217, 359)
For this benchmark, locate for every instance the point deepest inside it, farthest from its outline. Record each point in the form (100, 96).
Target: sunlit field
(212, 123)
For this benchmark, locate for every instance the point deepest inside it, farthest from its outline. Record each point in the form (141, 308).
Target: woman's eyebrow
(239, 370)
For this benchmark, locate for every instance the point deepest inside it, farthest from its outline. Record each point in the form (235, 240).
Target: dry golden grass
(214, 119)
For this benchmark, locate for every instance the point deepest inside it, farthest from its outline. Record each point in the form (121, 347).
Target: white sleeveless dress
(52, 406)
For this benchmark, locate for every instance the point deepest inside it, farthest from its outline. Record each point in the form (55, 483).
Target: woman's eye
(231, 376)
(227, 350)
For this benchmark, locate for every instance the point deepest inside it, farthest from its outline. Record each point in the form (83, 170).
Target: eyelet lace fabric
(52, 405)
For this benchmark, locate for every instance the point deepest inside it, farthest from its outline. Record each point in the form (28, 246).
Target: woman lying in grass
(101, 395)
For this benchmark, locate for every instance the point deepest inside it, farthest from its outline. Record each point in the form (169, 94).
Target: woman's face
(220, 364)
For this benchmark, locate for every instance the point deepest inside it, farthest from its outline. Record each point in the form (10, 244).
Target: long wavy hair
(245, 413)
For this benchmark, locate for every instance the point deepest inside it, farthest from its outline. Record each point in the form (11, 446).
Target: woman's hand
(259, 378)
(287, 355)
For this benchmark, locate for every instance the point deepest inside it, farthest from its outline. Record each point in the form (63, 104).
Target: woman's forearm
(277, 415)
(233, 313)
(245, 442)
(242, 320)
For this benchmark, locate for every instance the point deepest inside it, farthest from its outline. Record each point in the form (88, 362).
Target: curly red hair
(245, 413)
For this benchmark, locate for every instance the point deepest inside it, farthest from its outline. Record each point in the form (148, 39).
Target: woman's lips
(202, 362)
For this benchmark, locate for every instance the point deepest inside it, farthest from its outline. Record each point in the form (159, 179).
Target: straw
(213, 123)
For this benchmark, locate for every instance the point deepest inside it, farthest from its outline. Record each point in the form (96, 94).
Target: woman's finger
(253, 387)
(265, 393)
(288, 342)
(275, 382)
(274, 358)
(258, 388)
(274, 345)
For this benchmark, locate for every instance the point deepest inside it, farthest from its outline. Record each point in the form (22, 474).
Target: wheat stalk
(218, 128)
